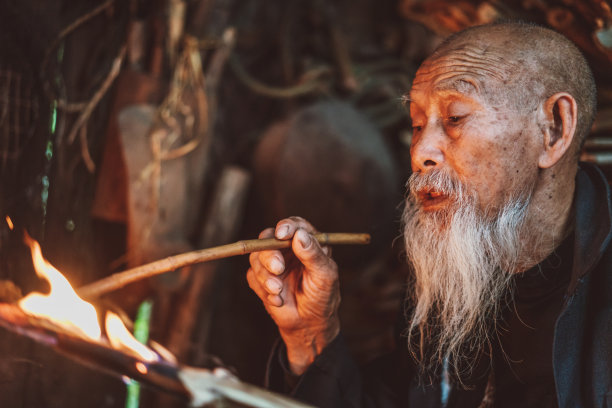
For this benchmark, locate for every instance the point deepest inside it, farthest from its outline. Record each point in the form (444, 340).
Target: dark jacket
(582, 348)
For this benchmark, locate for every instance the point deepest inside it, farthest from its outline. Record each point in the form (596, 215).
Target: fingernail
(303, 238)
(276, 266)
(282, 232)
(273, 286)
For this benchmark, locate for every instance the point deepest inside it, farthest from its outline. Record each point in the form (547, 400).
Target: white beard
(462, 261)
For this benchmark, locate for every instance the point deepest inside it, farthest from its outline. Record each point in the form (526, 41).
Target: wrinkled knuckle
(286, 221)
(332, 265)
(305, 224)
(319, 254)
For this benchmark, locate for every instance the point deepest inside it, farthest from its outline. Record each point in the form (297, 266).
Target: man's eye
(417, 128)
(454, 119)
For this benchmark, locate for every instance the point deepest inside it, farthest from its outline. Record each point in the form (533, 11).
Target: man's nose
(426, 152)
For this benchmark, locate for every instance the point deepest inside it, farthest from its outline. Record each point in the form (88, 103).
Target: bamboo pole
(121, 279)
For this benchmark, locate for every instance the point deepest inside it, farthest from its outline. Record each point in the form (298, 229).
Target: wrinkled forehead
(468, 69)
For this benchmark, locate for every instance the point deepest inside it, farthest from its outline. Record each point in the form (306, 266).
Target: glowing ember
(142, 369)
(9, 222)
(62, 304)
(120, 338)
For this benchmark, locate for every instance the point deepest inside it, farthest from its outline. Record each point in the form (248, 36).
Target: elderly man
(508, 236)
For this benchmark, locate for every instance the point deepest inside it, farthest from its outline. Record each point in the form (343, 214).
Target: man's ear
(560, 118)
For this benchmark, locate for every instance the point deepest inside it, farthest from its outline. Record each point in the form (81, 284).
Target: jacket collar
(593, 209)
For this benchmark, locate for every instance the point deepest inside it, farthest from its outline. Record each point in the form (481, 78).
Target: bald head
(532, 63)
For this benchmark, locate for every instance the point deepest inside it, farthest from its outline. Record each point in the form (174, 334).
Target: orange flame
(9, 222)
(64, 307)
(62, 304)
(120, 338)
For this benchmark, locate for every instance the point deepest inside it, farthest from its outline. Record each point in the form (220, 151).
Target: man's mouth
(431, 199)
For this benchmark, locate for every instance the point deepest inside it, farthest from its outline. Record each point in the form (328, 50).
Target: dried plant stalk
(171, 263)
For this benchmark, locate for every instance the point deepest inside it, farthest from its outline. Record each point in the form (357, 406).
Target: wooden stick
(91, 105)
(120, 279)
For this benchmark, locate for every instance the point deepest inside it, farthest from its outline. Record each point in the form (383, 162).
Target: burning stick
(196, 385)
(97, 354)
(171, 263)
(57, 320)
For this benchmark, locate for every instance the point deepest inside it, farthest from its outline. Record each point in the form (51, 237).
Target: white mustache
(438, 181)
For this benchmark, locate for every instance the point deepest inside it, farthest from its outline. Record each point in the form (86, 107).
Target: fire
(64, 307)
(120, 338)
(9, 222)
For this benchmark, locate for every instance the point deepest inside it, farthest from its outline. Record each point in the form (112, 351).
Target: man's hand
(299, 289)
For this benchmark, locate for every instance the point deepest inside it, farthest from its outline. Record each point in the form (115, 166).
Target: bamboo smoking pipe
(121, 279)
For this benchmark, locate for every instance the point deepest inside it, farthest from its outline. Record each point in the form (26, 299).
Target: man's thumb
(308, 250)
